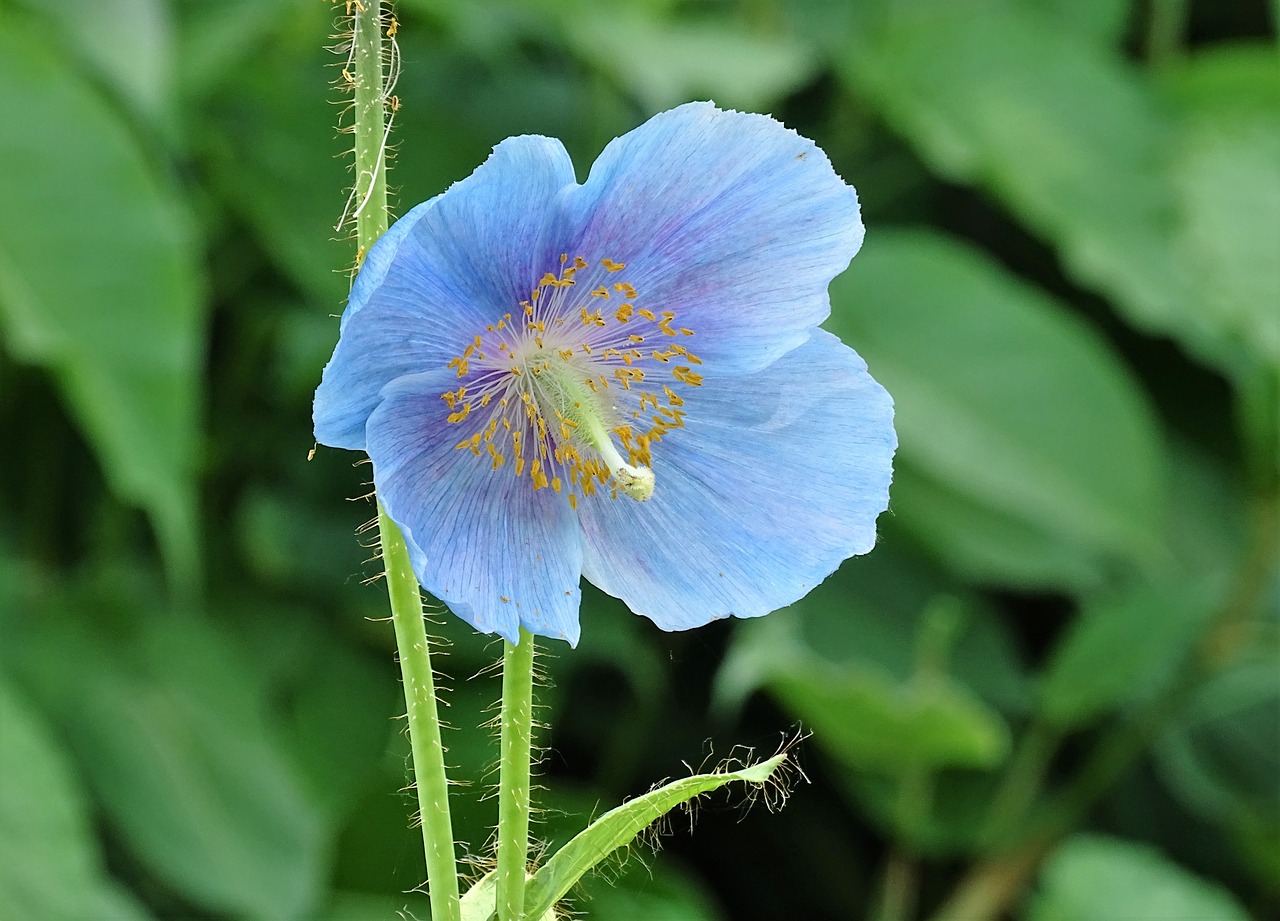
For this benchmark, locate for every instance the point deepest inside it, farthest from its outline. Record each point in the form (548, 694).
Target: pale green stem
(430, 780)
(513, 776)
(370, 124)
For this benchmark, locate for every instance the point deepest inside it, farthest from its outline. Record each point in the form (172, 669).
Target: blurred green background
(1051, 693)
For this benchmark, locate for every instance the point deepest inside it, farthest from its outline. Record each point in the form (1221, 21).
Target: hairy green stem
(370, 203)
(513, 776)
(366, 76)
(429, 775)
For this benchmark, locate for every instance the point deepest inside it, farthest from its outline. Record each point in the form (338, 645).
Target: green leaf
(985, 545)
(49, 865)
(128, 42)
(619, 826)
(1102, 21)
(868, 617)
(1002, 396)
(110, 299)
(173, 735)
(217, 39)
(1221, 755)
(1095, 878)
(1060, 129)
(667, 60)
(869, 721)
(1120, 647)
(1226, 173)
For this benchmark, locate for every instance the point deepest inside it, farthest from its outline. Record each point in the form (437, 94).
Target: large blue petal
(731, 220)
(442, 273)
(497, 553)
(778, 477)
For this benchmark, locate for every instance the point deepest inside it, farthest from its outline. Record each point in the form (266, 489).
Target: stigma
(574, 387)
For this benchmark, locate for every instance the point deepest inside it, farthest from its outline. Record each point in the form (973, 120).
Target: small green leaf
(1002, 396)
(1095, 878)
(110, 301)
(1119, 647)
(869, 721)
(49, 865)
(619, 826)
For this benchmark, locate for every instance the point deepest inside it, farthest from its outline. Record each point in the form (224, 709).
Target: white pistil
(636, 482)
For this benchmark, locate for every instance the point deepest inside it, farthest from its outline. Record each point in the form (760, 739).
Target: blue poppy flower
(622, 380)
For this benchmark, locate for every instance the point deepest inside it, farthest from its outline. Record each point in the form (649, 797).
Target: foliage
(1058, 665)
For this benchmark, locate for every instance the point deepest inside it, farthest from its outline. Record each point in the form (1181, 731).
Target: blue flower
(622, 380)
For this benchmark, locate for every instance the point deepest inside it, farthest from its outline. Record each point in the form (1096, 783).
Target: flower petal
(732, 221)
(499, 554)
(778, 477)
(437, 277)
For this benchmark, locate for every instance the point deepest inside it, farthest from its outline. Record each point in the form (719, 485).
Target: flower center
(577, 387)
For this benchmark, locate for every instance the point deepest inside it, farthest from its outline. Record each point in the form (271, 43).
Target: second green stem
(513, 776)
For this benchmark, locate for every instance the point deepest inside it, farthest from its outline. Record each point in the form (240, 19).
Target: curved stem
(366, 75)
(513, 776)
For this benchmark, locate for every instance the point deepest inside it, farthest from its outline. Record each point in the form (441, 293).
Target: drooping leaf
(1003, 397)
(49, 864)
(1096, 878)
(619, 826)
(100, 281)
